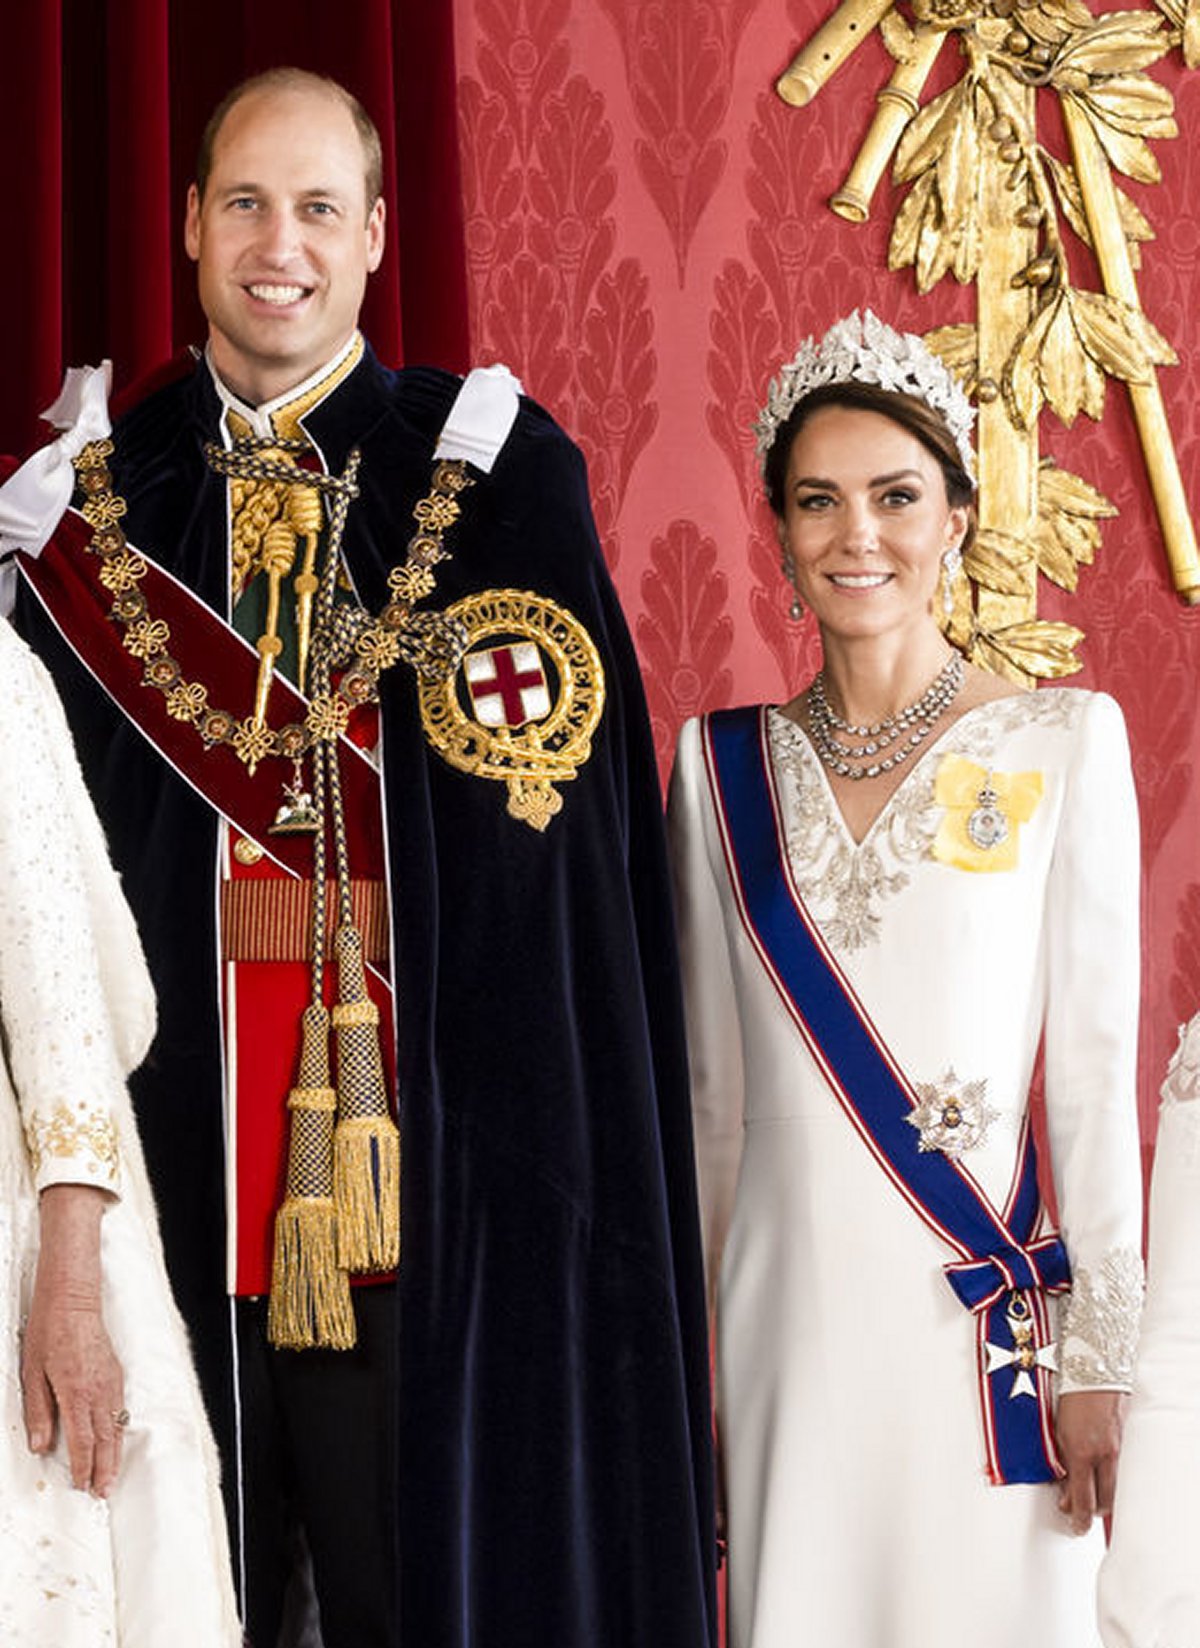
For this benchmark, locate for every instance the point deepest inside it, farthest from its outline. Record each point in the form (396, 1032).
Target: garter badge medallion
(524, 701)
(952, 1116)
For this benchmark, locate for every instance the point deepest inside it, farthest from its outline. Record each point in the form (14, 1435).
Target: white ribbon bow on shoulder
(35, 498)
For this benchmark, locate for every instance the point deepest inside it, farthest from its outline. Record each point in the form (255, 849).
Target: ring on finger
(120, 1417)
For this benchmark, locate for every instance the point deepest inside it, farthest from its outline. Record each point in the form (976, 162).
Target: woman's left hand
(1089, 1441)
(70, 1374)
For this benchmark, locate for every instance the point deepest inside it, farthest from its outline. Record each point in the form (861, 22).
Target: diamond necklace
(906, 730)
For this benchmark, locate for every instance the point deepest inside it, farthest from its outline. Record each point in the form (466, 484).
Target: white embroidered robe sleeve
(1150, 1580)
(710, 996)
(58, 1018)
(150, 1564)
(1093, 993)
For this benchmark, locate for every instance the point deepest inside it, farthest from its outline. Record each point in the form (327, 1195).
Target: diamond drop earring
(951, 566)
(788, 567)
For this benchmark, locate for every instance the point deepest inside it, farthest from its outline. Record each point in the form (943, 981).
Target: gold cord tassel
(366, 1148)
(306, 518)
(310, 1293)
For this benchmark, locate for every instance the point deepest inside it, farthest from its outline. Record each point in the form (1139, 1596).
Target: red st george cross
(507, 684)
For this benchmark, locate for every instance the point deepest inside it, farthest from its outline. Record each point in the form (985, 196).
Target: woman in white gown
(1150, 1580)
(891, 892)
(111, 1528)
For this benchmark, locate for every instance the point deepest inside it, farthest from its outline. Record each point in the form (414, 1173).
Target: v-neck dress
(860, 1513)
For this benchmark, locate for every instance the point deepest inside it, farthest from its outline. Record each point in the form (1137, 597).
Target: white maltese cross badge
(1025, 1357)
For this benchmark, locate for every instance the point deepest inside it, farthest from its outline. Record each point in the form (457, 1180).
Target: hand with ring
(70, 1374)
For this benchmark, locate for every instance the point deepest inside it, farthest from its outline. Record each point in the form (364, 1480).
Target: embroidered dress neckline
(802, 741)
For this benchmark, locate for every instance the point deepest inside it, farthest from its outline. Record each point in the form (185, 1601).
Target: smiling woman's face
(867, 522)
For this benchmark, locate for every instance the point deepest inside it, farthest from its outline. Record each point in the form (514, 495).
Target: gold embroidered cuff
(73, 1146)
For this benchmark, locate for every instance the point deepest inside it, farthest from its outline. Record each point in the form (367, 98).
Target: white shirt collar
(260, 418)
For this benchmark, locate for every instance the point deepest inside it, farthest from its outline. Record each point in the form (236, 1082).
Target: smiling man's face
(284, 239)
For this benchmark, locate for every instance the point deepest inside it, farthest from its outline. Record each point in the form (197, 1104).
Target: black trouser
(319, 1456)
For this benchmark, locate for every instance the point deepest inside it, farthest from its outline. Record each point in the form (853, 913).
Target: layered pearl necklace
(899, 734)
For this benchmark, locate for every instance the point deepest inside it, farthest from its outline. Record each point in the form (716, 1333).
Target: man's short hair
(299, 80)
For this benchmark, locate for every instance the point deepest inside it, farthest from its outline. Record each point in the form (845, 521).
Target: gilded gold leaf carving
(985, 200)
(997, 559)
(1185, 14)
(1067, 534)
(1032, 649)
(957, 348)
(1116, 46)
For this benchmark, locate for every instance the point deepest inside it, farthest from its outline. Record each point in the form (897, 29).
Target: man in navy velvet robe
(515, 1454)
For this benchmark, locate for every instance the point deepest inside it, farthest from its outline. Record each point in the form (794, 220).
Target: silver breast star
(952, 1116)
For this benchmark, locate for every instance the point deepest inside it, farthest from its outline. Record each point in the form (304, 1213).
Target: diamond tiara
(864, 349)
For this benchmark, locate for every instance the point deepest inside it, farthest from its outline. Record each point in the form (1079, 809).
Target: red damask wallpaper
(648, 236)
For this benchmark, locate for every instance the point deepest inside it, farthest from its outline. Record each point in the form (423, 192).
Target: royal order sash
(65, 579)
(1002, 1271)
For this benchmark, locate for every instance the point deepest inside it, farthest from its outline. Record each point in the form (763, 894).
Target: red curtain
(102, 103)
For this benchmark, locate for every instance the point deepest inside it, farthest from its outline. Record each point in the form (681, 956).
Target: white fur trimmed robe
(150, 1565)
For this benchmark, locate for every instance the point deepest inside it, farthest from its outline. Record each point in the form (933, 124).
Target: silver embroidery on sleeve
(1100, 1317)
(1182, 1084)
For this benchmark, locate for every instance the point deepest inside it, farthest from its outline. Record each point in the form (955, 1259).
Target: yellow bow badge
(983, 812)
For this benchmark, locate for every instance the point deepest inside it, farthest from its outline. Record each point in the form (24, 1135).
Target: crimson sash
(65, 579)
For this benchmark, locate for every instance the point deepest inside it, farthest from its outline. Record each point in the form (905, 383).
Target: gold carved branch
(898, 102)
(1116, 269)
(829, 48)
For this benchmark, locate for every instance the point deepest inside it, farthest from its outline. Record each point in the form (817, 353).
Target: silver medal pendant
(987, 826)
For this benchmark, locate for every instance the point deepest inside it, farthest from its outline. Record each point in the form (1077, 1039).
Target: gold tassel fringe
(310, 1295)
(366, 1170)
(366, 1189)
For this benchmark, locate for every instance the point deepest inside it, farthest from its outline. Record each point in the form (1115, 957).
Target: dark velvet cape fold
(554, 1477)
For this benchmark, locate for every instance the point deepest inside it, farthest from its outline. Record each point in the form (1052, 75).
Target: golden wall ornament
(986, 201)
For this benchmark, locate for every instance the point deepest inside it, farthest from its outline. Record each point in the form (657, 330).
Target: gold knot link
(187, 701)
(328, 717)
(147, 638)
(378, 649)
(411, 583)
(94, 454)
(104, 510)
(252, 741)
(121, 573)
(437, 512)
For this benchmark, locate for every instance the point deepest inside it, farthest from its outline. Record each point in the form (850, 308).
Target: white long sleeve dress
(149, 1566)
(859, 1510)
(1150, 1580)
